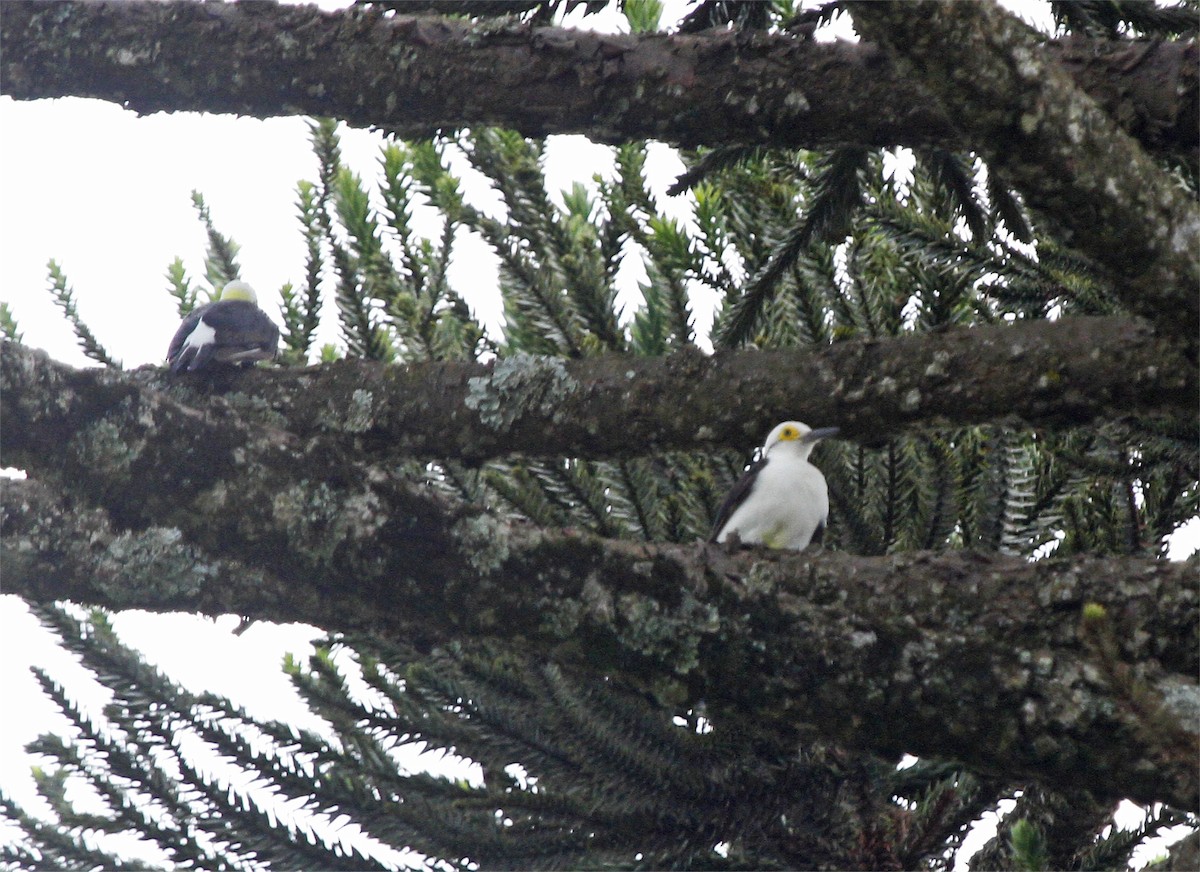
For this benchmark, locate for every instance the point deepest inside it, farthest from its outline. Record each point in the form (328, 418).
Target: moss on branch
(1055, 374)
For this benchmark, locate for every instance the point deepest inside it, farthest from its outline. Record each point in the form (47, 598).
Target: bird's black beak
(820, 433)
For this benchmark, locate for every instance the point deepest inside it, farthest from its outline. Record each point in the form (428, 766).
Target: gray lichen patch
(671, 635)
(104, 448)
(561, 618)
(1182, 699)
(597, 600)
(519, 385)
(485, 541)
(150, 567)
(938, 367)
(759, 581)
(213, 500)
(318, 519)
(256, 409)
(359, 416)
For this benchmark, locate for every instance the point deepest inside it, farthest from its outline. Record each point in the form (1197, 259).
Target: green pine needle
(8, 324)
(64, 298)
(1028, 847)
(220, 260)
(837, 194)
(180, 287)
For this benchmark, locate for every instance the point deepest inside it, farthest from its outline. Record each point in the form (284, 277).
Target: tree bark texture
(1079, 674)
(295, 471)
(141, 499)
(1053, 143)
(1073, 372)
(416, 75)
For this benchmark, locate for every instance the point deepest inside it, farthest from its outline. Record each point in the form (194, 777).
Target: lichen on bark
(416, 75)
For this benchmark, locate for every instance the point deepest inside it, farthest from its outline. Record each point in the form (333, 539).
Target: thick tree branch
(981, 658)
(202, 510)
(56, 548)
(415, 75)
(292, 473)
(1055, 145)
(1057, 374)
(238, 491)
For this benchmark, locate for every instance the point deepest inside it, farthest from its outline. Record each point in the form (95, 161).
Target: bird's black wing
(818, 536)
(737, 496)
(181, 335)
(241, 324)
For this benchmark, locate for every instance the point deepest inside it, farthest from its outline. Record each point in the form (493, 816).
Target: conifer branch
(837, 194)
(180, 287)
(64, 298)
(8, 324)
(220, 259)
(1048, 138)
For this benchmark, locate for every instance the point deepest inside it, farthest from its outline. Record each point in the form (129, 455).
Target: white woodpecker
(230, 330)
(782, 500)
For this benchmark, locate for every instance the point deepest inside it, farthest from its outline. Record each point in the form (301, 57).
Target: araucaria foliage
(560, 770)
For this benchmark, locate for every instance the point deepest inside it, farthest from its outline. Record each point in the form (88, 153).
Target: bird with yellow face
(782, 500)
(231, 330)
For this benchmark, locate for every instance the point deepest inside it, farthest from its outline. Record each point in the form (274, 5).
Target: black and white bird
(230, 330)
(781, 501)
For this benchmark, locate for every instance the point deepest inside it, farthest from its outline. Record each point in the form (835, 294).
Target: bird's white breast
(788, 501)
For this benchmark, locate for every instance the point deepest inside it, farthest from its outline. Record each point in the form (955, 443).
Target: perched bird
(782, 500)
(231, 330)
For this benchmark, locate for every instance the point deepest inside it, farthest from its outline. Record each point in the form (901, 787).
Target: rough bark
(164, 506)
(415, 75)
(981, 658)
(1053, 143)
(1046, 374)
(292, 474)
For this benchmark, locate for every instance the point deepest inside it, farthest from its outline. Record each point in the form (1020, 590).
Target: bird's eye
(789, 433)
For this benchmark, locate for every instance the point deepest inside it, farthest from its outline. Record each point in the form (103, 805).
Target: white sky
(108, 195)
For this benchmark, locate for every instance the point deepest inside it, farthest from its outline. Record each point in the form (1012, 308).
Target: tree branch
(1055, 145)
(415, 75)
(1055, 374)
(958, 655)
(202, 510)
(294, 474)
(622, 406)
(56, 548)
(247, 492)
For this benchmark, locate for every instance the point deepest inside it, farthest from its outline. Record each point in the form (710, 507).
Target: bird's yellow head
(795, 431)
(238, 290)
